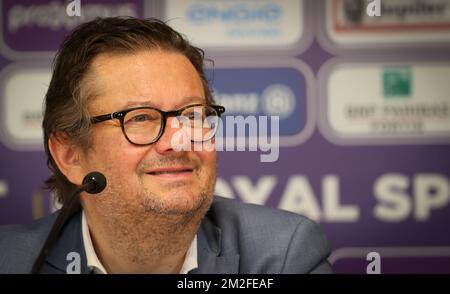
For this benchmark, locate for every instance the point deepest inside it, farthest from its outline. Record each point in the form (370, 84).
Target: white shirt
(94, 264)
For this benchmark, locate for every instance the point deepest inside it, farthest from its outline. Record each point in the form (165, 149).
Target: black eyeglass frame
(120, 115)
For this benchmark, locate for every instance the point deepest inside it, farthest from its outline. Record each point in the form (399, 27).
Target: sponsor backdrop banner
(358, 92)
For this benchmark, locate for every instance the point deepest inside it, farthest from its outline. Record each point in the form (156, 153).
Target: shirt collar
(94, 264)
(190, 261)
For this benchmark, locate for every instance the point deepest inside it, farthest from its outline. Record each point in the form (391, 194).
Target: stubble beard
(172, 203)
(147, 226)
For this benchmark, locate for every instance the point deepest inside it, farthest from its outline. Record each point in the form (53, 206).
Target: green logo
(397, 82)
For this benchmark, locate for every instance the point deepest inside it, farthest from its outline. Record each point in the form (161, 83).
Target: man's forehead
(143, 66)
(125, 81)
(187, 100)
(138, 57)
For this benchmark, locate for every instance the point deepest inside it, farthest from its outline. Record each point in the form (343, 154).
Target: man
(118, 89)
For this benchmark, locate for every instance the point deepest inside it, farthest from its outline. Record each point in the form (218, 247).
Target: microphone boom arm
(93, 183)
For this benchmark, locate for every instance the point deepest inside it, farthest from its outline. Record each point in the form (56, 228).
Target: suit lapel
(211, 258)
(68, 249)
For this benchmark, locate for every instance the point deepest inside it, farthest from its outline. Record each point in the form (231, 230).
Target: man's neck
(151, 244)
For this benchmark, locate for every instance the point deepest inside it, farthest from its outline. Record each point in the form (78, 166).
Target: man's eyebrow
(184, 101)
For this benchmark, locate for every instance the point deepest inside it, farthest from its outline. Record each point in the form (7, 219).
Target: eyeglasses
(145, 125)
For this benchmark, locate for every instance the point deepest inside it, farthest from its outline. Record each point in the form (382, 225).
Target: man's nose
(170, 136)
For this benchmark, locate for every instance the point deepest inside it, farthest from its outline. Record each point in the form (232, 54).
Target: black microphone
(93, 183)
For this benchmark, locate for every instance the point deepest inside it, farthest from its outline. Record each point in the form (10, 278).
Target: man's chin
(182, 205)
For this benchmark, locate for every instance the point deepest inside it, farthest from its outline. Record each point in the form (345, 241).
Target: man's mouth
(171, 172)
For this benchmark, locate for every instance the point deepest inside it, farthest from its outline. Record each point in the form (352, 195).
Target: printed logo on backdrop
(393, 22)
(375, 103)
(224, 24)
(21, 107)
(32, 28)
(253, 91)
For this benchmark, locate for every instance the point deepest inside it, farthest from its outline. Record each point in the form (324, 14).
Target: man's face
(152, 178)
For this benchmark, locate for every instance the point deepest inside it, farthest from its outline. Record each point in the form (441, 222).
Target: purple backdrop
(309, 164)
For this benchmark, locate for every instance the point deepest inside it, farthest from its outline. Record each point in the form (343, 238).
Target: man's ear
(67, 156)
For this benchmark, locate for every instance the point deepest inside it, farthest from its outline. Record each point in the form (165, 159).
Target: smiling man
(118, 86)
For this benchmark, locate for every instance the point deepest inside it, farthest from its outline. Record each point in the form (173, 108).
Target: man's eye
(194, 115)
(140, 118)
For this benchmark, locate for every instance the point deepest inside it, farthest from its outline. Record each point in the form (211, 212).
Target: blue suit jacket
(233, 238)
